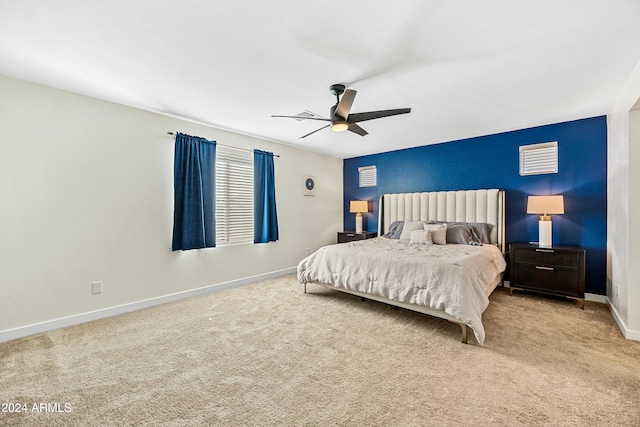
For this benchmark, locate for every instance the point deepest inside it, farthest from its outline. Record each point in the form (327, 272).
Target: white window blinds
(538, 159)
(234, 196)
(368, 176)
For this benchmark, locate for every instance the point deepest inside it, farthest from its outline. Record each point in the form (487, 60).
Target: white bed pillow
(421, 237)
(410, 226)
(438, 233)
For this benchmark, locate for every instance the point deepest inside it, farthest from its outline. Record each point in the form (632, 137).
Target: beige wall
(633, 276)
(86, 190)
(623, 208)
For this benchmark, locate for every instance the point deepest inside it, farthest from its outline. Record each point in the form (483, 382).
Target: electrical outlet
(96, 287)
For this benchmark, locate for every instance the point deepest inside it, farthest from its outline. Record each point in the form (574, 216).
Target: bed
(451, 281)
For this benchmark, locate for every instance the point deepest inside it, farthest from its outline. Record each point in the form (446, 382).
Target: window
(539, 159)
(368, 176)
(234, 196)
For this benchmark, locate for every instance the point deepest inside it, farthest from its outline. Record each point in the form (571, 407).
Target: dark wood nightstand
(555, 270)
(351, 236)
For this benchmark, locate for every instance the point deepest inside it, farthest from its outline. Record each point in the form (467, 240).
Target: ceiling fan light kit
(339, 126)
(340, 117)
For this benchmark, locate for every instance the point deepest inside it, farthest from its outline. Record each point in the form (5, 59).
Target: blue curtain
(194, 193)
(265, 217)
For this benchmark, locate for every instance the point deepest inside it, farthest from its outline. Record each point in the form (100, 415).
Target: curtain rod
(226, 146)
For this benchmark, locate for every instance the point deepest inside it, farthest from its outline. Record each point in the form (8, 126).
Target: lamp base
(359, 223)
(544, 231)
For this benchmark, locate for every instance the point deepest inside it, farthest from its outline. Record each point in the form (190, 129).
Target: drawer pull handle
(350, 235)
(544, 250)
(544, 268)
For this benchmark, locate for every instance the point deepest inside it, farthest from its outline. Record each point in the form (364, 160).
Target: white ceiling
(465, 67)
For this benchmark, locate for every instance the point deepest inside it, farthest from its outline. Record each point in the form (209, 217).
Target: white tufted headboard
(451, 206)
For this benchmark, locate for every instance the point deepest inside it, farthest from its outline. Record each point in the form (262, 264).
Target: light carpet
(267, 354)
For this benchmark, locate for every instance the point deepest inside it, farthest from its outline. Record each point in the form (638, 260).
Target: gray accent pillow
(395, 230)
(462, 234)
(482, 229)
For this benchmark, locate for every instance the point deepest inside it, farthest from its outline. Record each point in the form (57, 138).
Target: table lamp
(357, 207)
(545, 205)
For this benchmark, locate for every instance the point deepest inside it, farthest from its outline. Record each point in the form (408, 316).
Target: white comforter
(455, 279)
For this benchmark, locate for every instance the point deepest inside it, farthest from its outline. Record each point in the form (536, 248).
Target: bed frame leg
(464, 332)
(304, 286)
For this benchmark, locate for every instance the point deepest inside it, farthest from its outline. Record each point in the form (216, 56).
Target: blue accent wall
(492, 161)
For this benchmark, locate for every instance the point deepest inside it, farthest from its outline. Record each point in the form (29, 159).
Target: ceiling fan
(340, 116)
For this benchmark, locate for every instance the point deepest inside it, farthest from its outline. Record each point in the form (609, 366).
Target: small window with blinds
(368, 176)
(234, 196)
(537, 159)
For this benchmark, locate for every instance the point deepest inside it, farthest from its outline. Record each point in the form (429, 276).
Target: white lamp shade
(545, 205)
(358, 206)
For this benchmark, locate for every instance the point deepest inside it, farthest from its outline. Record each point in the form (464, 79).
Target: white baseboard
(628, 333)
(63, 322)
(596, 298)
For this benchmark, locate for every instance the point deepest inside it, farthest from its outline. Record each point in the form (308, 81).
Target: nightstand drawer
(548, 279)
(549, 257)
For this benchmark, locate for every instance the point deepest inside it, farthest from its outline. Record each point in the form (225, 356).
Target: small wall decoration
(309, 185)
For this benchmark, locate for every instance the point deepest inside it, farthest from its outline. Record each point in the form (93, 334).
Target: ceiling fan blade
(344, 106)
(303, 118)
(357, 129)
(370, 115)
(306, 114)
(311, 133)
